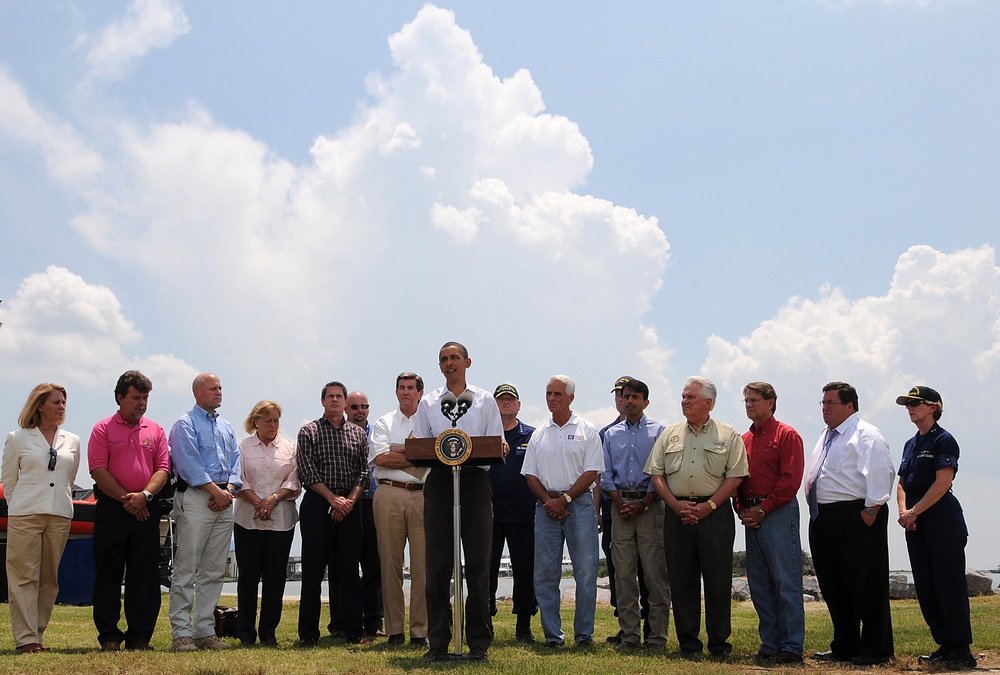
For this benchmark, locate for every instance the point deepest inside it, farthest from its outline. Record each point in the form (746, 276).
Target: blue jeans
(774, 570)
(579, 532)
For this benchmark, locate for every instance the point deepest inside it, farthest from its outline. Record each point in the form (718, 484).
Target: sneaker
(210, 642)
(183, 644)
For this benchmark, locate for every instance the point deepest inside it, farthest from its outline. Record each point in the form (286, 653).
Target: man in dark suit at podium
(481, 419)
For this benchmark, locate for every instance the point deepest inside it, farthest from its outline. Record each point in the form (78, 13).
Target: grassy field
(73, 649)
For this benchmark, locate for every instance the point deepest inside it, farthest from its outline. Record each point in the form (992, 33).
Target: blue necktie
(811, 497)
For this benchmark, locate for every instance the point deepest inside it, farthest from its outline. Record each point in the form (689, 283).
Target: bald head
(207, 391)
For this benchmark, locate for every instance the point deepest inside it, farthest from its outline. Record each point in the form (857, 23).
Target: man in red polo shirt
(130, 462)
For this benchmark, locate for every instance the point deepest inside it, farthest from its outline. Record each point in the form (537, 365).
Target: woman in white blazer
(39, 465)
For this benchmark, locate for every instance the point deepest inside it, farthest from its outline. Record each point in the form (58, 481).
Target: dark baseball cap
(621, 382)
(920, 393)
(506, 389)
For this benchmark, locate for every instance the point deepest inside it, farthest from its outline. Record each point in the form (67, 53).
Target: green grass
(73, 648)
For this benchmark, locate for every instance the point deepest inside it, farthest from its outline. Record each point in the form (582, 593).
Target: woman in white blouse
(39, 465)
(264, 523)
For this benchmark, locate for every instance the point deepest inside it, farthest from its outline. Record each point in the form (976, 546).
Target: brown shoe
(210, 642)
(30, 648)
(111, 646)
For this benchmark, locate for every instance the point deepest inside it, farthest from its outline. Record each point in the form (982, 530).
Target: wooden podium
(485, 450)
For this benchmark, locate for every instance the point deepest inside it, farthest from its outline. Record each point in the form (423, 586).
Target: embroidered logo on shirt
(675, 438)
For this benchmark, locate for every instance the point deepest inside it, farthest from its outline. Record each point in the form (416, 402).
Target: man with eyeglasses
(371, 573)
(129, 462)
(769, 511)
(848, 482)
(699, 526)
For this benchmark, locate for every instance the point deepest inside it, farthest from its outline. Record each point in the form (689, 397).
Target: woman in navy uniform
(935, 529)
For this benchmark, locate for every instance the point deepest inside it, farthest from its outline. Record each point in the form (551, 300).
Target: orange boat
(84, 506)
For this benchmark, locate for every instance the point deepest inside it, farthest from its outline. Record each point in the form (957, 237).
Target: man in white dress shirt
(563, 460)
(848, 482)
(481, 419)
(399, 513)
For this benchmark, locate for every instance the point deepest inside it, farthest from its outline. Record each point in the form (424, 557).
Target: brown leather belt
(409, 487)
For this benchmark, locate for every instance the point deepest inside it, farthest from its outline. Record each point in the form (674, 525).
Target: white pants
(203, 537)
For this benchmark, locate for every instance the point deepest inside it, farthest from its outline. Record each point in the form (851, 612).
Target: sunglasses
(914, 404)
(52, 459)
(355, 406)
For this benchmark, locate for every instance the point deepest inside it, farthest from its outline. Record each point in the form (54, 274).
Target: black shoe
(434, 654)
(615, 639)
(418, 641)
(527, 637)
(722, 654)
(477, 654)
(248, 642)
(831, 656)
(138, 647)
(869, 660)
(337, 634)
(396, 639)
(684, 653)
(764, 658)
(269, 641)
(957, 660)
(785, 656)
(110, 646)
(553, 644)
(585, 642)
(936, 655)
(308, 644)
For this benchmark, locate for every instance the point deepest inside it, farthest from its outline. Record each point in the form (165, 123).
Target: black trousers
(938, 563)
(520, 538)
(852, 568)
(262, 556)
(696, 554)
(476, 496)
(126, 548)
(325, 540)
(371, 577)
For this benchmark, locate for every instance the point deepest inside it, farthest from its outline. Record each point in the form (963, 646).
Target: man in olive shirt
(699, 534)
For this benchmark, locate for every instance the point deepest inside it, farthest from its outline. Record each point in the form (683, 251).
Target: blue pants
(579, 533)
(774, 570)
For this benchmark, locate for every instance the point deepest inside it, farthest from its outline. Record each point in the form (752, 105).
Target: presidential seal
(453, 447)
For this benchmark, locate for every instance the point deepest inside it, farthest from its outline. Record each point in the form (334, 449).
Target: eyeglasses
(914, 404)
(355, 406)
(52, 459)
(826, 404)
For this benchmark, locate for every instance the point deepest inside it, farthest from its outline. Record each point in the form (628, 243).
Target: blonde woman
(265, 519)
(40, 461)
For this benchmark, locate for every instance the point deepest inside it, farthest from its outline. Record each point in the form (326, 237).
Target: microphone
(448, 403)
(464, 403)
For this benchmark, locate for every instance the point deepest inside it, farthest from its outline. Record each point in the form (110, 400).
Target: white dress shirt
(558, 456)
(857, 466)
(482, 419)
(390, 429)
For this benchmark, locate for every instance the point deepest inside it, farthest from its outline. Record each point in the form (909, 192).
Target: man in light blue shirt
(636, 520)
(207, 463)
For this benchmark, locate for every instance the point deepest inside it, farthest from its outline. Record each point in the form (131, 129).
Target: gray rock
(900, 588)
(741, 589)
(810, 587)
(980, 583)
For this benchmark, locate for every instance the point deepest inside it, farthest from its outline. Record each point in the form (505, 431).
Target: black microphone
(464, 403)
(448, 403)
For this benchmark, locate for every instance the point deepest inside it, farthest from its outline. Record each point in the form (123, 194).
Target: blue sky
(793, 191)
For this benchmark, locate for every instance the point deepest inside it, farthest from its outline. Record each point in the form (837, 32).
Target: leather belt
(409, 487)
(554, 494)
(753, 501)
(697, 500)
(341, 492)
(632, 494)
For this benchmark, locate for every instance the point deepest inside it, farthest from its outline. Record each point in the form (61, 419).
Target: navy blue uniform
(514, 521)
(937, 546)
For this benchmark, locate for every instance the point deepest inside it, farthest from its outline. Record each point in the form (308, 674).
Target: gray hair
(566, 380)
(708, 389)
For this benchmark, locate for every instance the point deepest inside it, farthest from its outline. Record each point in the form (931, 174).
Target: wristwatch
(149, 495)
(761, 513)
(567, 498)
(871, 510)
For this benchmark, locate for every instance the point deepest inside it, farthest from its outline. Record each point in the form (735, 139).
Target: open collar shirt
(131, 454)
(558, 455)
(203, 449)
(695, 462)
(390, 429)
(482, 419)
(776, 460)
(266, 469)
(857, 466)
(334, 456)
(626, 449)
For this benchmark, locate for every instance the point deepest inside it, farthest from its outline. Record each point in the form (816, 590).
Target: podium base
(459, 657)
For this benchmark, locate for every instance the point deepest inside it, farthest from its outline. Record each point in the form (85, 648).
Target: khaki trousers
(631, 541)
(35, 545)
(399, 516)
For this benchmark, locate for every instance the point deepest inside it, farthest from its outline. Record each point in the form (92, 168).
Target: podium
(449, 449)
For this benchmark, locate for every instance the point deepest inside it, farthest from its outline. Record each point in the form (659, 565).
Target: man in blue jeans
(768, 509)
(563, 460)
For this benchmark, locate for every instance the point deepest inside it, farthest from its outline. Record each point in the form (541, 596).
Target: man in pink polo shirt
(129, 461)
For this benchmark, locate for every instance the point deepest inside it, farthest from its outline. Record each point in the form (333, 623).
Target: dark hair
(410, 376)
(848, 394)
(461, 348)
(638, 386)
(132, 378)
(766, 392)
(333, 383)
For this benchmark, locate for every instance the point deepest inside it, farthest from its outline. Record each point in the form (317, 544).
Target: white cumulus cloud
(147, 25)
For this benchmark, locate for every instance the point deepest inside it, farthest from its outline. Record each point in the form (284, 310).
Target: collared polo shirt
(131, 454)
(558, 455)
